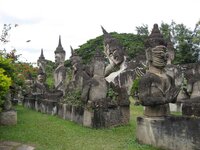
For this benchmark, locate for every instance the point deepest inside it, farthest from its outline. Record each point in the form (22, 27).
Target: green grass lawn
(47, 132)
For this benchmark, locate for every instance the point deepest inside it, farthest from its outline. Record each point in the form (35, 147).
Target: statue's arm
(109, 69)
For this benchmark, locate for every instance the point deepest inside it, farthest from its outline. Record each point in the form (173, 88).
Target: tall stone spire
(41, 55)
(59, 49)
(41, 62)
(155, 38)
(73, 52)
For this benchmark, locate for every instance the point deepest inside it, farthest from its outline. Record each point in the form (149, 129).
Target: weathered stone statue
(39, 86)
(60, 71)
(191, 105)
(98, 89)
(156, 88)
(119, 71)
(80, 81)
(41, 62)
(170, 51)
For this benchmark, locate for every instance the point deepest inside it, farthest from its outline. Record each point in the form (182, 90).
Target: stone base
(95, 117)
(157, 111)
(172, 133)
(41, 105)
(191, 109)
(8, 117)
(104, 118)
(177, 107)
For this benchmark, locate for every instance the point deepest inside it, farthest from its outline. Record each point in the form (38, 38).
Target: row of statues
(157, 86)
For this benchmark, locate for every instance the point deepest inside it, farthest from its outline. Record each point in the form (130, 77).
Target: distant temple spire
(59, 49)
(41, 62)
(41, 55)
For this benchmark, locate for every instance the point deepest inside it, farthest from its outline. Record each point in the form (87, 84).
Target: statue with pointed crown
(41, 62)
(60, 71)
(156, 88)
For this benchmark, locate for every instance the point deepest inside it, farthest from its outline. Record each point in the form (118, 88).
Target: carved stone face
(115, 54)
(159, 56)
(59, 58)
(41, 78)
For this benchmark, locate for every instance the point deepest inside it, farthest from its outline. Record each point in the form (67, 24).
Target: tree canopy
(186, 42)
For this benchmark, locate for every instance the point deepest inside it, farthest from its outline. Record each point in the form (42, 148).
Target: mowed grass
(47, 132)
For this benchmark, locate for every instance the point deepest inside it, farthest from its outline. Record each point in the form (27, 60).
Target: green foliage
(6, 70)
(142, 30)
(111, 93)
(186, 41)
(135, 86)
(132, 44)
(7, 65)
(5, 83)
(50, 66)
(32, 129)
(73, 98)
(87, 50)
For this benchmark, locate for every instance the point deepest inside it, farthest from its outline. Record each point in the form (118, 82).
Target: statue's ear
(148, 54)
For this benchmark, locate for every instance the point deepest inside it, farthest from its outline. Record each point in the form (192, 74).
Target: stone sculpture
(119, 71)
(98, 89)
(191, 105)
(60, 71)
(41, 62)
(40, 87)
(156, 88)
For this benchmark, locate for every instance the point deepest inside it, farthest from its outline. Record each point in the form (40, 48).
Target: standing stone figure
(39, 87)
(41, 62)
(98, 89)
(60, 71)
(156, 88)
(191, 105)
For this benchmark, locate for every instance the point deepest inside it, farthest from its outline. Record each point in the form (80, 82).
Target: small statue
(41, 62)
(39, 86)
(60, 71)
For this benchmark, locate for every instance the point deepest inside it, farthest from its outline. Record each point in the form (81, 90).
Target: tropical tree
(186, 41)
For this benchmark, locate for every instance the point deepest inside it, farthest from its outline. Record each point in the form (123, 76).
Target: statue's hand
(172, 94)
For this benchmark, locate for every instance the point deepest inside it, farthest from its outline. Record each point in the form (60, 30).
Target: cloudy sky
(77, 21)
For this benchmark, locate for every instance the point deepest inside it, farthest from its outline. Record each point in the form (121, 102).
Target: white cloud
(77, 21)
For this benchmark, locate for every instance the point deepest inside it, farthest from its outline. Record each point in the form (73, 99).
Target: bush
(5, 83)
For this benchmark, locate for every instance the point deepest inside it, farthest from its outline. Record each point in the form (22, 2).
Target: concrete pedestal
(171, 133)
(8, 117)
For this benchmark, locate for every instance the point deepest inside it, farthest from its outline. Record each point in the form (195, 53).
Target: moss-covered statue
(156, 88)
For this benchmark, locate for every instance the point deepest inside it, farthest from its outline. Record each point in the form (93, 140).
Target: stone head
(157, 56)
(113, 49)
(41, 78)
(59, 58)
(114, 53)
